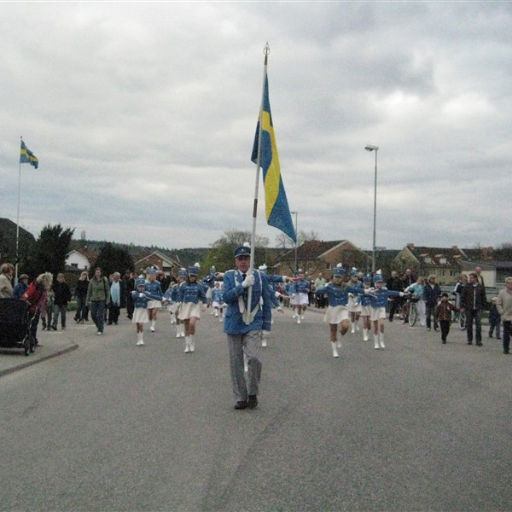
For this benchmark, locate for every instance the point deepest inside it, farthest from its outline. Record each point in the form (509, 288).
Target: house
(315, 257)
(80, 259)
(158, 259)
(442, 262)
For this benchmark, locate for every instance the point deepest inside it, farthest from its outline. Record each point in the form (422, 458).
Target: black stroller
(15, 322)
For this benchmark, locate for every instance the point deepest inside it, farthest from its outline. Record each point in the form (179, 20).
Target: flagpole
(18, 219)
(247, 313)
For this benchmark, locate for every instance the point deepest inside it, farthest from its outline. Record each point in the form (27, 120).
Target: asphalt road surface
(112, 426)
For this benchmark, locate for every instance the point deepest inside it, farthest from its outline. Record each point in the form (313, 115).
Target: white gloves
(141, 295)
(248, 281)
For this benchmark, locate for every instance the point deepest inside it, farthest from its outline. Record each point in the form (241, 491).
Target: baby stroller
(15, 322)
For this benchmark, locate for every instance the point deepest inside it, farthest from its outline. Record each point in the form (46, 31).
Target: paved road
(112, 426)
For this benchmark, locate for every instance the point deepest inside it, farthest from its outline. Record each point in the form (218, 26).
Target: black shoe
(470, 343)
(479, 344)
(253, 402)
(54, 328)
(241, 404)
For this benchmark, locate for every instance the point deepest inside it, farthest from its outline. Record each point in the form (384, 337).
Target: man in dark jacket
(473, 301)
(431, 294)
(394, 283)
(62, 295)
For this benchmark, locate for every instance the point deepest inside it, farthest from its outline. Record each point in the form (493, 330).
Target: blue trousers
(98, 313)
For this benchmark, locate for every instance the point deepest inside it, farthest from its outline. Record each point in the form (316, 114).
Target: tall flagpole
(18, 219)
(247, 313)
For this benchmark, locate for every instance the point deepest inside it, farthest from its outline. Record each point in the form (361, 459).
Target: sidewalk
(52, 344)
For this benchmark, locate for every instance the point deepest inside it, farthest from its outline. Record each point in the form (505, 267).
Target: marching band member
(299, 290)
(141, 299)
(217, 300)
(366, 308)
(379, 298)
(354, 303)
(155, 291)
(243, 327)
(191, 293)
(337, 311)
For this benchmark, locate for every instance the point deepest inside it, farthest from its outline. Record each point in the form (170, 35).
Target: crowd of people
(244, 300)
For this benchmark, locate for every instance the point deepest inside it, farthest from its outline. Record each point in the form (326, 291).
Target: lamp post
(296, 238)
(370, 147)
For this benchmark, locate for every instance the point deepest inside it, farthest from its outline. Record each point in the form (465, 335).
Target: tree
(50, 250)
(114, 259)
(221, 254)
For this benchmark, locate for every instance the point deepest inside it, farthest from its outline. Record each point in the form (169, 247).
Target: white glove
(141, 295)
(248, 281)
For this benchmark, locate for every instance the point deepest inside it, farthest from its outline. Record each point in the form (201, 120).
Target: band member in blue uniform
(218, 300)
(299, 293)
(337, 310)
(155, 291)
(354, 303)
(140, 312)
(379, 298)
(366, 308)
(192, 300)
(243, 327)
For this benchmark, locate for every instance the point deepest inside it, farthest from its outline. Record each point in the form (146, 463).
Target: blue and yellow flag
(276, 204)
(27, 157)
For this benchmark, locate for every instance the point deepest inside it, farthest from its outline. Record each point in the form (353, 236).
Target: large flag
(27, 157)
(276, 204)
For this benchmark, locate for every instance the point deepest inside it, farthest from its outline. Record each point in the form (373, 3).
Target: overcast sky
(143, 115)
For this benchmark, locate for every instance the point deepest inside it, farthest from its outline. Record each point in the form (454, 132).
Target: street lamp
(296, 238)
(370, 148)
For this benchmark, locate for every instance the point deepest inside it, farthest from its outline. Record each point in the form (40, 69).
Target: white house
(76, 260)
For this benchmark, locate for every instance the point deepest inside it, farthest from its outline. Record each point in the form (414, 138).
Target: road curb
(31, 362)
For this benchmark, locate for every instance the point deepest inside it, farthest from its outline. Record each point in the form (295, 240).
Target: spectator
(480, 278)
(62, 296)
(129, 287)
(36, 297)
(431, 294)
(321, 300)
(6, 273)
(457, 290)
(473, 302)
(98, 296)
(21, 287)
(417, 290)
(394, 283)
(504, 306)
(408, 278)
(494, 319)
(81, 295)
(116, 297)
(444, 315)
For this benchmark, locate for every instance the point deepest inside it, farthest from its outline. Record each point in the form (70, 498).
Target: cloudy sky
(143, 114)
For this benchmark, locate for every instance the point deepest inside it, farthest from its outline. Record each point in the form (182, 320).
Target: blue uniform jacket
(140, 302)
(379, 298)
(192, 292)
(233, 289)
(300, 286)
(217, 295)
(154, 290)
(336, 295)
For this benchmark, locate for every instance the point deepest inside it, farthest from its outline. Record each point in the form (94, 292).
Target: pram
(15, 322)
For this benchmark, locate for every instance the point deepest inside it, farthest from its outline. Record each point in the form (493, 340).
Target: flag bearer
(243, 327)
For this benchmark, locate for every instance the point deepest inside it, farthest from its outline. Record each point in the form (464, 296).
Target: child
(444, 315)
(170, 297)
(190, 294)
(155, 292)
(140, 313)
(299, 291)
(366, 308)
(217, 301)
(337, 311)
(494, 319)
(354, 304)
(379, 297)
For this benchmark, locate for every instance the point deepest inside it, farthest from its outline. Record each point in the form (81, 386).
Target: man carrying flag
(27, 157)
